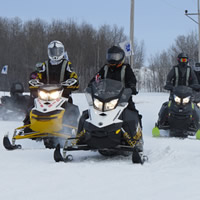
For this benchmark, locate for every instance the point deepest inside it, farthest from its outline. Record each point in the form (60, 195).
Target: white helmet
(56, 51)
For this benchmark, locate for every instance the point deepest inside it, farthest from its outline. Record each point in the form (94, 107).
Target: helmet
(182, 59)
(115, 56)
(56, 51)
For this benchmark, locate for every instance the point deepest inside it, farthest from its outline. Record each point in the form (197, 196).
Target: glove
(168, 87)
(134, 91)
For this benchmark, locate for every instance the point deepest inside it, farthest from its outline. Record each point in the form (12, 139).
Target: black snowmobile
(108, 126)
(180, 115)
(14, 107)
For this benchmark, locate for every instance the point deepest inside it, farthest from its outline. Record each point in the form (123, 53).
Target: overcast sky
(157, 22)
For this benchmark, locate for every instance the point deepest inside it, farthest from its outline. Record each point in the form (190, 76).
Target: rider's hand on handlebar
(35, 83)
(70, 82)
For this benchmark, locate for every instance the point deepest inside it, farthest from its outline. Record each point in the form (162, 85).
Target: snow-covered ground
(172, 171)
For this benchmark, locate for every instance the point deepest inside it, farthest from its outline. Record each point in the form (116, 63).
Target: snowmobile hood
(182, 91)
(50, 87)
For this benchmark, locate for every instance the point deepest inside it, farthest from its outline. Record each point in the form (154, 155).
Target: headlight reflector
(110, 105)
(43, 95)
(98, 104)
(186, 100)
(177, 99)
(54, 95)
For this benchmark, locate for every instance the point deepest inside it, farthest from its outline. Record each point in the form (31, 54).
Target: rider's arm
(100, 75)
(70, 74)
(170, 77)
(193, 78)
(130, 79)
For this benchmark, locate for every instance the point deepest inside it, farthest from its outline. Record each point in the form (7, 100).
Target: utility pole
(188, 15)
(132, 32)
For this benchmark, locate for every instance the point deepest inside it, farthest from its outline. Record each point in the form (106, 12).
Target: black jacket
(182, 76)
(115, 74)
(54, 76)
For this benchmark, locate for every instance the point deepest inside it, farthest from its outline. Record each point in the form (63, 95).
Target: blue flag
(4, 69)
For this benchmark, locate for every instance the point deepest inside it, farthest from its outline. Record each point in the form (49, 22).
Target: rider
(180, 74)
(55, 70)
(117, 69)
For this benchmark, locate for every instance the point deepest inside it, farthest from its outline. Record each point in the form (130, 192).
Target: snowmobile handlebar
(35, 83)
(69, 82)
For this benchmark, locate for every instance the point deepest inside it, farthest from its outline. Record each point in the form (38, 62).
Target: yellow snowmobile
(52, 119)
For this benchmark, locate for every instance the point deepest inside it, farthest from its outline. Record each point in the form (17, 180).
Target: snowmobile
(180, 115)
(52, 118)
(14, 107)
(107, 126)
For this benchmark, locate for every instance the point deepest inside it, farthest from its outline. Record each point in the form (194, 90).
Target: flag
(4, 69)
(126, 46)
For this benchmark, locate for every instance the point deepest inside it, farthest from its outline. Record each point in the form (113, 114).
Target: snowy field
(170, 174)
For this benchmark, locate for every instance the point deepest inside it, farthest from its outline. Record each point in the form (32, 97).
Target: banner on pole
(126, 46)
(4, 69)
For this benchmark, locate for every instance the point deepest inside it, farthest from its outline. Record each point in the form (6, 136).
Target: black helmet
(115, 55)
(16, 87)
(182, 59)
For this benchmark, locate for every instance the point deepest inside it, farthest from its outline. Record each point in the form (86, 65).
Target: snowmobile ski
(138, 157)
(155, 132)
(198, 135)
(58, 156)
(7, 144)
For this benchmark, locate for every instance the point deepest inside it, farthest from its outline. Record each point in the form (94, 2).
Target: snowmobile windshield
(50, 87)
(183, 91)
(107, 89)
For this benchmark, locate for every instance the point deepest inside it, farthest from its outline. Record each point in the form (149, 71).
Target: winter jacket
(54, 74)
(118, 73)
(181, 76)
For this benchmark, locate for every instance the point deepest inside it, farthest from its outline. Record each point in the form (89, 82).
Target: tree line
(23, 44)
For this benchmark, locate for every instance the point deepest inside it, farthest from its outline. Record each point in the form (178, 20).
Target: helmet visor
(114, 56)
(183, 60)
(56, 51)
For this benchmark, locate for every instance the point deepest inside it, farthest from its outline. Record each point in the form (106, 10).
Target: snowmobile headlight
(110, 105)
(177, 99)
(98, 104)
(43, 95)
(186, 100)
(54, 95)
(198, 104)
